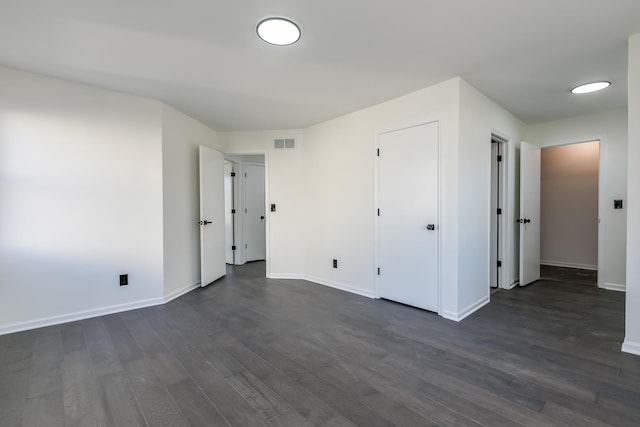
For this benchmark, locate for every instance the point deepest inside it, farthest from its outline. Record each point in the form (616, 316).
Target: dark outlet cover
(617, 204)
(124, 279)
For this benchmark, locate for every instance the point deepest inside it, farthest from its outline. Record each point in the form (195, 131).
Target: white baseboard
(614, 287)
(175, 294)
(457, 317)
(513, 284)
(294, 276)
(631, 347)
(87, 314)
(79, 315)
(341, 286)
(568, 265)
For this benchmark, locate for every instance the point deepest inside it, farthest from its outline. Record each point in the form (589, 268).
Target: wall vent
(284, 143)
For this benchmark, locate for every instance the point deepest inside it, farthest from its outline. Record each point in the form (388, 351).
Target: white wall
(569, 205)
(610, 128)
(285, 173)
(479, 118)
(181, 137)
(340, 168)
(632, 333)
(80, 200)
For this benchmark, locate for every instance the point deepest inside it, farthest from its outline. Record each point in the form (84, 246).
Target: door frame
(601, 202)
(513, 261)
(376, 198)
(266, 200)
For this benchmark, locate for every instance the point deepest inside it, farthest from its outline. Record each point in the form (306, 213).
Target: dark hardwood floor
(248, 351)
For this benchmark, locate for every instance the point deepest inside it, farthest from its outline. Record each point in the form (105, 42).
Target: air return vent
(284, 143)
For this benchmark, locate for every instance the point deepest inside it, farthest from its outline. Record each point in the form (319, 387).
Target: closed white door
(255, 219)
(529, 213)
(408, 216)
(212, 235)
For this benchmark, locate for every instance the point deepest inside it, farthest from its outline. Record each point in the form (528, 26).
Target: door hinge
(245, 246)
(378, 212)
(245, 174)
(499, 263)
(378, 271)
(499, 211)
(233, 174)
(233, 248)
(245, 210)
(233, 211)
(499, 158)
(378, 152)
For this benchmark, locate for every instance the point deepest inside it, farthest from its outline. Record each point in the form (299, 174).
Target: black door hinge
(378, 212)
(499, 263)
(378, 152)
(499, 211)
(233, 211)
(378, 271)
(233, 248)
(499, 158)
(233, 174)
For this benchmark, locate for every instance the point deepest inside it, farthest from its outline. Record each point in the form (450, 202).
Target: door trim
(376, 199)
(602, 211)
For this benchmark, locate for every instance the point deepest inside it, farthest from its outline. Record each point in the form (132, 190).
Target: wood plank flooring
(248, 351)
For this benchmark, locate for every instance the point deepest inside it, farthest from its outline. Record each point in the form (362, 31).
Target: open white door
(529, 213)
(212, 238)
(254, 213)
(408, 216)
(228, 213)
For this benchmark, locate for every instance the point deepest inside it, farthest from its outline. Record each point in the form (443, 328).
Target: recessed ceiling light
(278, 31)
(590, 87)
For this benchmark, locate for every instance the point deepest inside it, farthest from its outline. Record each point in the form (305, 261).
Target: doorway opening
(560, 209)
(569, 211)
(245, 214)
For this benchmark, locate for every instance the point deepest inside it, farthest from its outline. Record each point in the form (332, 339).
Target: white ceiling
(203, 56)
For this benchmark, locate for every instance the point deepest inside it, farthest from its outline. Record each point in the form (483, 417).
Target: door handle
(523, 220)
(430, 227)
(261, 217)
(205, 222)
(527, 220)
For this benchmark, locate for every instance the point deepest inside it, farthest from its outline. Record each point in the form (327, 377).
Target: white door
(495, 218)
(254, 212)
(212, 254)
(228, 213)
(408, 217)
(529, 213)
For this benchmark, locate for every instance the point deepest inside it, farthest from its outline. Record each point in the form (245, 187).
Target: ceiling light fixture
(278, 31)
(591, 87)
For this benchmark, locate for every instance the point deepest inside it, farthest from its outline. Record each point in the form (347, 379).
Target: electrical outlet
(124, 279)
(335, 263)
